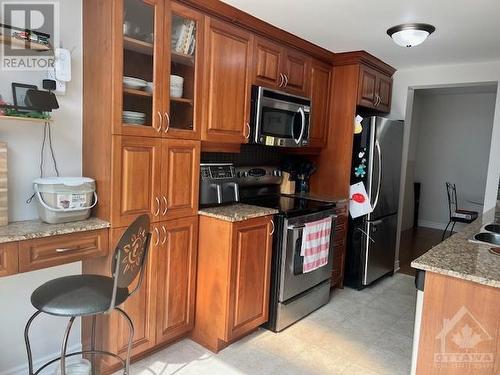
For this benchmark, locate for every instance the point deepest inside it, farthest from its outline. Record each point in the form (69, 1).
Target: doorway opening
(450, 141)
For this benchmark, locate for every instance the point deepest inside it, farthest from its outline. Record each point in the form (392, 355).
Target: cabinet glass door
(185, 29)
(141, 111)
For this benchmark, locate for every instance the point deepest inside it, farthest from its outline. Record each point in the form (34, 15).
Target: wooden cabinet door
(180, 178)
(250, 263)
(320, 97)
(267, 63)
(9, 258)
(227, 83)
(182, 117)
(136, 182)
(140, 307)
(176, 278)
(140, 59)
(384, 91)
(297, 71)
(367, 87)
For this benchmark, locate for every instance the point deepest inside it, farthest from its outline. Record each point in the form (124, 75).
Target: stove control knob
(277, 173)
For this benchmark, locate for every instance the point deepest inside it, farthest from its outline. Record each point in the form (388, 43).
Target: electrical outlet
(60, 85)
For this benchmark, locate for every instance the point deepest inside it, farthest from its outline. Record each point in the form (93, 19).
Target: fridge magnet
(360, 170)
(359, 203)
(358, 128)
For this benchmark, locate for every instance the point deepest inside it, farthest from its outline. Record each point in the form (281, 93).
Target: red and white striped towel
(316, 244)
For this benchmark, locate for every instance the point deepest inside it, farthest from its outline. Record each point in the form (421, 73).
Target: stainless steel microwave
(279, 119)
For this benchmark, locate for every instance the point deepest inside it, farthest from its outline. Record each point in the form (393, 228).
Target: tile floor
(367, 332)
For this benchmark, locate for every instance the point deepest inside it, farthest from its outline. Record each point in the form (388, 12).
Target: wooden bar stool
(91, 295)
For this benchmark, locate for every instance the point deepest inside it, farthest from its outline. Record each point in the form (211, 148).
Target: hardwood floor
(415, 242)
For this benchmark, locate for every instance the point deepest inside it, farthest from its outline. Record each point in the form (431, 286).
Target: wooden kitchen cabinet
(374, 89)
(339, 244)
(280, 68)
(9, 258)
(180, 178)
(232, 294)
(155, 177)
(321, 79)
(227, 83)
(163, 308)
(136, 180)
(176, 280)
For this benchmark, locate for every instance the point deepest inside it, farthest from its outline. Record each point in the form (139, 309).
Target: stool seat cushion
(77, 295)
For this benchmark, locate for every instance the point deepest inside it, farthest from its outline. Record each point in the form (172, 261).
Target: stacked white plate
(134, 83)
(176, 86)
(131, 117)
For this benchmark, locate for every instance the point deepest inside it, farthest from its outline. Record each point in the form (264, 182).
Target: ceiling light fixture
(410, 34)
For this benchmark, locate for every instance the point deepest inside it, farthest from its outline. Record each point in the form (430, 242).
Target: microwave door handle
(303, 127)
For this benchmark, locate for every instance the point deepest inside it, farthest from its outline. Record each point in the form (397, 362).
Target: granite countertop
(237, 212)
(460, 258)
(26, 230)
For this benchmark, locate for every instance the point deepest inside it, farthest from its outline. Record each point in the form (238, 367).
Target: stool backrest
(451, 190)
(131, 253)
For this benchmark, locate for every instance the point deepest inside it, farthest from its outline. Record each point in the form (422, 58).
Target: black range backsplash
(248, 156)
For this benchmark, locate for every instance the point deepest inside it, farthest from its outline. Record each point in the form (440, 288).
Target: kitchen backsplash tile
(249, 155)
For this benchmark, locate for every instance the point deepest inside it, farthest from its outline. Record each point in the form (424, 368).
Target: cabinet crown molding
(363, 57)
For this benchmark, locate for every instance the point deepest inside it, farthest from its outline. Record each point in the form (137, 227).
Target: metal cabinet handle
(164, 235)
(282, 80)
(67, 249)
(157, 200)
(157, 233)
(272, 231)
(247, 125)
(165, 202)
(161, 123)
(167, 121)
(286, 80)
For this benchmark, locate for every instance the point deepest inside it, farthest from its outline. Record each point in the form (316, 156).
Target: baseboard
(396, 266)
(23, 369)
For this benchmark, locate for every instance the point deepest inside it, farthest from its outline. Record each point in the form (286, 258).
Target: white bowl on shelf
(176, 92)
(133, 114)
(150, 87)
(176, 80)
(134, 83)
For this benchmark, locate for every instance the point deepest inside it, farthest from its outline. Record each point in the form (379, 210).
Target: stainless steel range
(294, 294)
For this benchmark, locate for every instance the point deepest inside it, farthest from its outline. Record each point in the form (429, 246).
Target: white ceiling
(466, 30)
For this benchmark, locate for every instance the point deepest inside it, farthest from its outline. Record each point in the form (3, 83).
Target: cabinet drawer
(56, 250)
(8, 258)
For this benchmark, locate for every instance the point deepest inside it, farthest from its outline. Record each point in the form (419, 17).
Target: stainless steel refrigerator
(376, 161)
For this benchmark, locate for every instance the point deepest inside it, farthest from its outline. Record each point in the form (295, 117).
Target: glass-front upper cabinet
(183, 85)
(142, 110)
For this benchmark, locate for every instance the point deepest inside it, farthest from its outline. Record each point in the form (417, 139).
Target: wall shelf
(137, 92)
(26, 119)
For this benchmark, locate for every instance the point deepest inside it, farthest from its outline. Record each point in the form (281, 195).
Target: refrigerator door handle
(379, 181)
